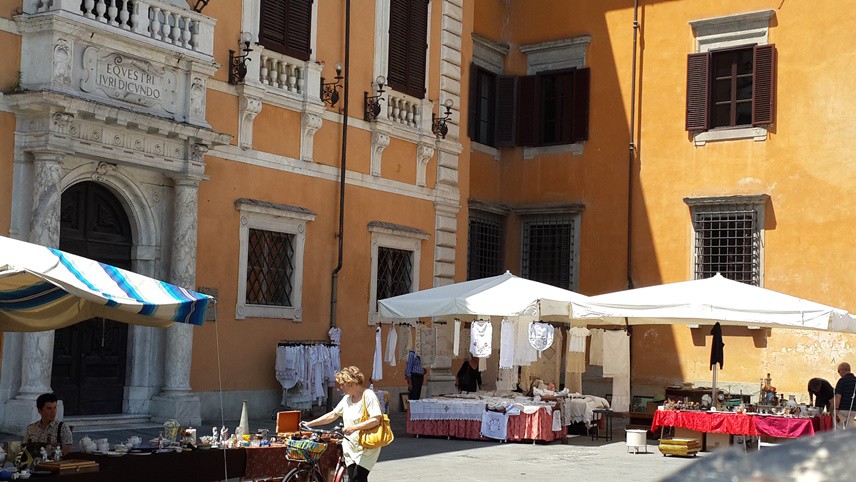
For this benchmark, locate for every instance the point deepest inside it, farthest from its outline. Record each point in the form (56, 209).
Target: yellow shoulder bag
(377, 437)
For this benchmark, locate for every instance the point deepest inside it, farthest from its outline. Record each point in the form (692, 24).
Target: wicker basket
(305, 450)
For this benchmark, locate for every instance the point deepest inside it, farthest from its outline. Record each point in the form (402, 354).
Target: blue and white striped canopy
(46, 289)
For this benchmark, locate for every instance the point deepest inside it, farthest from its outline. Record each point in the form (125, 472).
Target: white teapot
(87, 445)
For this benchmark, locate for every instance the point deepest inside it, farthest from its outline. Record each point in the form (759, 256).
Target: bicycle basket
(304, 450)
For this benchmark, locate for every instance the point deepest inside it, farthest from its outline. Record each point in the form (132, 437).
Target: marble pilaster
(176, 400)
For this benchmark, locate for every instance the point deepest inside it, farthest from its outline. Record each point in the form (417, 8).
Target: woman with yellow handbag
(366, 427)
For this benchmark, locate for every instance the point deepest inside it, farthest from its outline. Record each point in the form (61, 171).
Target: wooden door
(89, 359)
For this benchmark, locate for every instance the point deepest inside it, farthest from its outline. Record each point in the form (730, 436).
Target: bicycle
(307, 453)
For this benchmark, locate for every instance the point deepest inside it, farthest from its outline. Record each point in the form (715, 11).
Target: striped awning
(46, 289)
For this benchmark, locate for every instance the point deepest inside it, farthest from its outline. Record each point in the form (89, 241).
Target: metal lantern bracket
(438, 123)
(330, 90)
(372, 102)
(238, 63)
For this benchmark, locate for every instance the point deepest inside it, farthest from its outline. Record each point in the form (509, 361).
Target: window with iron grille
(728, 241)
(394, 272)
(549, 250)
(484, 250)
(270, 268)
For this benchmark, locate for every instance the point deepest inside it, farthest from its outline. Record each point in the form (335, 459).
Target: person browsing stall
(844, 391)
(48, 432)
(414, 373)
(469, 377)
(358, 459)
(820, 394)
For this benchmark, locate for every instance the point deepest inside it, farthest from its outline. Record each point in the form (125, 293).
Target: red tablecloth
(740, 424)
(536, 426)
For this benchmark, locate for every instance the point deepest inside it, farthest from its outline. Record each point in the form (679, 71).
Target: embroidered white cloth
(438, 409)
(596, 347)
(540, 336)
(557, 420)
(377, 362)
(482, 364)
(524, 353)
(405, 343)
(391, 342)
(506, 379)
(335, 335)
(577, 339)
(426, 341)
(621, 393)
(443, 343)
(481, 334)
(494, 425)
(456, 343)
(506, 345)
(616, 353)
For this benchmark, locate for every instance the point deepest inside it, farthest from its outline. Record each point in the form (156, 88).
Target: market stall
(747, 424)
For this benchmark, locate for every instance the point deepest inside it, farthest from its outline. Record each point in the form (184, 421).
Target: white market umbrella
(47, 289)
(504, 295)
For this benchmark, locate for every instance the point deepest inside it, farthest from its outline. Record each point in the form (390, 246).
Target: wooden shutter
(472, 119)
(582, 81)
(272, 22)
(763, 88)
(698, 66)
(528, 98)
(397, 53)
(298, 29)
(417, 48)
(506, 86)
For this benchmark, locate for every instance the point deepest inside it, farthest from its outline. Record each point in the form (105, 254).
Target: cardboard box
(717, 441)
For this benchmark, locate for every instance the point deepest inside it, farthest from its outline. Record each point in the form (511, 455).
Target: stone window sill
(756, 133)
(479, 147)
(575, 149)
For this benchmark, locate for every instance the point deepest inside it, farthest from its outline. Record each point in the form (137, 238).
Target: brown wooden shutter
(298, 29)
(397, 54)
(417, 48)
(698, 66)
(528, 97)
(763, 88)
(582, 82)
(505, 95)
(272, 22)
(473, 104)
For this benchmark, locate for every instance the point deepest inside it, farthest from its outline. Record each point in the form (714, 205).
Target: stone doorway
(89, 358)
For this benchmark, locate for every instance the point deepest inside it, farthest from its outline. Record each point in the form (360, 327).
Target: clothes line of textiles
(305, 369)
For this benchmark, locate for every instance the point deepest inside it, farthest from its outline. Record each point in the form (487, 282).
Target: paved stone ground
(427, 458)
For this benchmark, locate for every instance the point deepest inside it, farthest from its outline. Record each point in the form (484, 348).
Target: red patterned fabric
(536, 426)
(265, 462)
(784, 427)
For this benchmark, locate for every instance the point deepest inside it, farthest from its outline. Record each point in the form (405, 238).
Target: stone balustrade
(282, 72)
(404, 109)
(154, 19)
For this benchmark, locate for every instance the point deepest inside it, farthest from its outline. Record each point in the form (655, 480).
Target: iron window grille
(270, 268)
(484, 249)
(548, 250)
(728, 241)
(394, 272)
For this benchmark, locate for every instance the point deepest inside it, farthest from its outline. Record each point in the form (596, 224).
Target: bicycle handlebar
(337, 430)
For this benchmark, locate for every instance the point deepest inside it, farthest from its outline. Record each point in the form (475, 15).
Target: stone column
(37, 347)
(176, 400)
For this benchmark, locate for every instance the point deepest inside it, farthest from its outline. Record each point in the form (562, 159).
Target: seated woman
(469, 377)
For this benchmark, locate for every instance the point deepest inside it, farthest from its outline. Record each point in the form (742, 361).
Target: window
(394, 272)
(395, 255)
(730, 88)
(549, 250)
(270, 268)
(285, 26)
(482, 105)
(272, 238)
(408, 46)
(552, 108)
(728, 237)
(484, 250)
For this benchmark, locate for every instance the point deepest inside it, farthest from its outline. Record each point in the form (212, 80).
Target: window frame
(393, 236)
(381, 49)
(559, 121)
(280, 219)
(547, 218)
(490, 141)
(733, 76)
(251, 23)
(726, 204)
(488, 218)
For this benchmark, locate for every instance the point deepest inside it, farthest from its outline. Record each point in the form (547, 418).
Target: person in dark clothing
(820, 394)
(844, 391)
(469, 378)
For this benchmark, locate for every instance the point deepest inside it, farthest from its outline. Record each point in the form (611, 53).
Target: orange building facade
(124, 136)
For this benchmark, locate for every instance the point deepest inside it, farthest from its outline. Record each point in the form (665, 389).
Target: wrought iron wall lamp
(238, 63)
(372, 102)
(438, 124)
(330, 90)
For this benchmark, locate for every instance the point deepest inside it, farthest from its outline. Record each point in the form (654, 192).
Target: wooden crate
(679, 446)
(65, 467)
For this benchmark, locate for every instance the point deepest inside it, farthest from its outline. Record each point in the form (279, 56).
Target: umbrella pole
(714, 400)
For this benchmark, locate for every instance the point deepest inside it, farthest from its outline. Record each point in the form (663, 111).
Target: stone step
(113, 421)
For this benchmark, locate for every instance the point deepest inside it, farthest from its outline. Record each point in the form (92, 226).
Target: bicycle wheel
(303, 474)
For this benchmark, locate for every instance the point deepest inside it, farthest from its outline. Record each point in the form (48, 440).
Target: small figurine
(44, 453)
(57, 453)
(224, 434)
(215, 437)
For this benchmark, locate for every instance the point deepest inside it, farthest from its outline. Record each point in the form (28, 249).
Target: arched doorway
(89, 358)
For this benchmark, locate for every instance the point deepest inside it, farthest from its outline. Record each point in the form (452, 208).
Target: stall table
(195, 466)
(741, 424)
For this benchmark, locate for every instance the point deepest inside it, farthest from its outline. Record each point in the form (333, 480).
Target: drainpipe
(631, 153)
(334, 294)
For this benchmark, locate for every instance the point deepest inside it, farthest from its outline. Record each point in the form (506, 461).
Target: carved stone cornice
(248, 109)
(380, 141)
(309, 125)
(424, 153)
